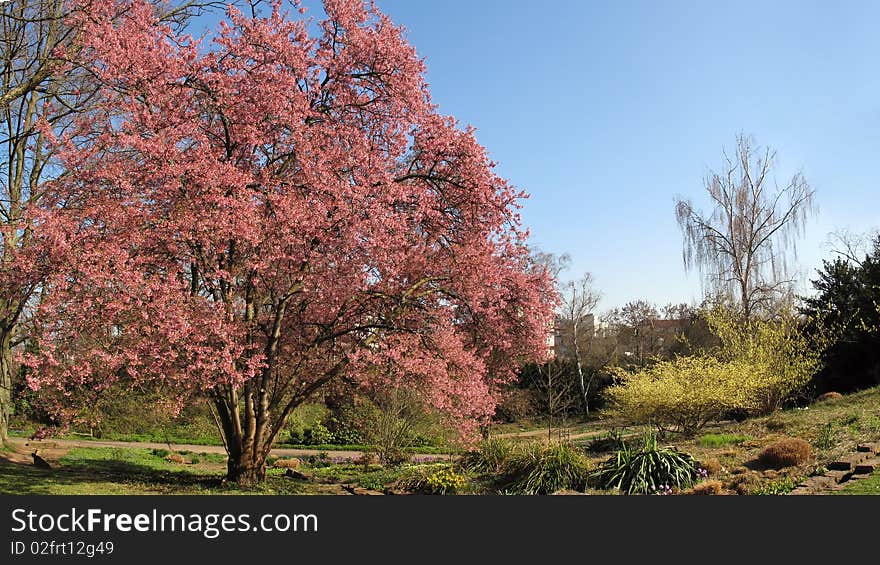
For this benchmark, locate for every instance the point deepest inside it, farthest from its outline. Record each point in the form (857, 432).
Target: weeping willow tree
(744, 245)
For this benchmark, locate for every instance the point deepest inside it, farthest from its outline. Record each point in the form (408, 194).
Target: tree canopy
(258, 214)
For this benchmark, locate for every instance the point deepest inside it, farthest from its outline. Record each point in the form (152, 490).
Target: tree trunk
(245, 470)
(6, 372)
(580, 370)
(247, 444)
(247, 459)
(584, 389)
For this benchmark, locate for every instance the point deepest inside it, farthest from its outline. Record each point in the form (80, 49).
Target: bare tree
(743, 246)
(851, 246)
(554, 387)
(41, 85)
(634, 330)
(578, 301)
(554, 263)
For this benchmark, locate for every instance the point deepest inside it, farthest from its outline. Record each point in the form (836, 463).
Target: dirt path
(27, 446)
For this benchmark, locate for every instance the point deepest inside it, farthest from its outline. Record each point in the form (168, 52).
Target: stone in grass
(869, 447)
(175, 458)
(866, 468)
(849, 462)
(839, 475)
(819, 482)
(291, 463)
(291, 474)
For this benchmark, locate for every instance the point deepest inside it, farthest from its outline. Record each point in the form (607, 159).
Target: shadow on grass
(103, 476)
(26, 479)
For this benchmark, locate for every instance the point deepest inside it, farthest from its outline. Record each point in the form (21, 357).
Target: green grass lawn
(720, 440)
(105, 470)
(870, 485)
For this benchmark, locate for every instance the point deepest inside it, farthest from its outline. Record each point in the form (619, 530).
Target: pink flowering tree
(255, 216)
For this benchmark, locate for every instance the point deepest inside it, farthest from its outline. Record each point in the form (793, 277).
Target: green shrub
(318, 434)
(302, 418)
(758, 366)
(539, 469)
(780, 486)
(651, 469)
(160, 453)
(353, 421)
(392, 456)
(720, 440)
(489, 457)
(318, 461)
(780, 356)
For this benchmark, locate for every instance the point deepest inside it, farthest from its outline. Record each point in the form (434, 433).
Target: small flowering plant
(663, 489)
(445, 481)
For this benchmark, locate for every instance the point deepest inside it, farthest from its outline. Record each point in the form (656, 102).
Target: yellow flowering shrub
(780, 357)
(687, 392)
(758, 366)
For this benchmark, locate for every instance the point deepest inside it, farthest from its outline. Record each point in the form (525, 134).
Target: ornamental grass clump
(544, 469)
(787, 452)
(652, 469)
(489, 457)
(707, 488)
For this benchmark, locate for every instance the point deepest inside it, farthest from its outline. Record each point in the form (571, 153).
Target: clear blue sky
(604, 111)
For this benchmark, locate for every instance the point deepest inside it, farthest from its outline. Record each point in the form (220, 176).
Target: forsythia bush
(758, 366)
(687, 392)
(781, 358)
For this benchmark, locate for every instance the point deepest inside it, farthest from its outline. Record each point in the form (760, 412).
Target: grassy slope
(833, 428)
